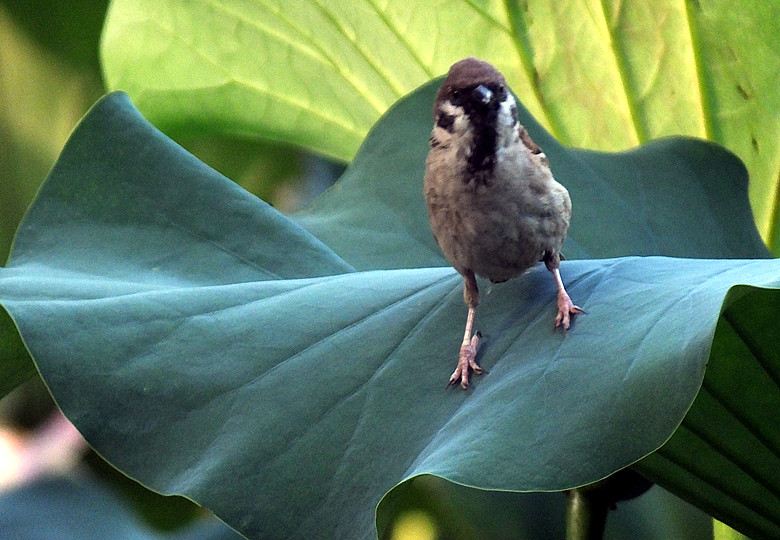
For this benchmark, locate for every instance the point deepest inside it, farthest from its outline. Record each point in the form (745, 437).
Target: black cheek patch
(445, 121)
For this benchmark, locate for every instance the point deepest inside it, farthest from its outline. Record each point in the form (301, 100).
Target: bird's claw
(466, 361)
(566, 311)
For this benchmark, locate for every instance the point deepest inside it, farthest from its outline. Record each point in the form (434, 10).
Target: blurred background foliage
(50, 76)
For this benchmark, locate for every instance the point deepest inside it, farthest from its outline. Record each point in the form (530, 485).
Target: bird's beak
(484, 93)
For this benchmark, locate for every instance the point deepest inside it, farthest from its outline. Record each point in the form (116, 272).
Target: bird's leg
(566, 308)
(468, 350)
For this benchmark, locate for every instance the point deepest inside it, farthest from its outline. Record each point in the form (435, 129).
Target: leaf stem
(586, 514)
(587, 506)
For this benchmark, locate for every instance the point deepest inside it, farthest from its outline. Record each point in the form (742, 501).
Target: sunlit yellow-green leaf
(604, 75)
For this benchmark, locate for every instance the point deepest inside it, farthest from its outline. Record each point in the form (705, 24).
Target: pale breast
(500, 228)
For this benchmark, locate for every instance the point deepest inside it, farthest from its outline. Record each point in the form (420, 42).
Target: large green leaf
(208, 346)
(625, 204)
(603, 75)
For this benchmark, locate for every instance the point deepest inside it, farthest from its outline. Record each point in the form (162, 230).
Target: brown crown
(469, 72)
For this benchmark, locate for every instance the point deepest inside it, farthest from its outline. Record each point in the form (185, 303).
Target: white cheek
(505, 111)
(507, 126)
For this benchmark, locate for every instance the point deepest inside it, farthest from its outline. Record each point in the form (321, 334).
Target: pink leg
(468, 353)
(566, 308)
(468, 349)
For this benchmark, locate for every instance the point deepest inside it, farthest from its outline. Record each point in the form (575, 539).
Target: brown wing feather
(534, 148)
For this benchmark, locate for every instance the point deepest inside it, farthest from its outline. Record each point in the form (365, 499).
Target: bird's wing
(532, 147)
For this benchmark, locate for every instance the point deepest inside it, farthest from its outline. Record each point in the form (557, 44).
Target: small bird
(495, 208)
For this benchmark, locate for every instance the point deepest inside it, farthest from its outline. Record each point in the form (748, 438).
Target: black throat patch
(483, 148)
(483, 118)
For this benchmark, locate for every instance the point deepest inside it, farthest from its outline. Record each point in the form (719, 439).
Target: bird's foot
(566, 311)
(466, 361)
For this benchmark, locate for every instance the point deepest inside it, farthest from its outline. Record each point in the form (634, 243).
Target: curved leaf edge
(657, 467)
(724, 456)
(733, 295)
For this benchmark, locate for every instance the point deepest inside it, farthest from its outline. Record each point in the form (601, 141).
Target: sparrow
(495, 208)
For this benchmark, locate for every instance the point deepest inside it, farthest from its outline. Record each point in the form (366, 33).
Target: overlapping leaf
(725, 457)
(668, 197)
(209, 346)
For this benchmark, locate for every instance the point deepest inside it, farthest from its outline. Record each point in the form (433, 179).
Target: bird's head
(475, 108)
